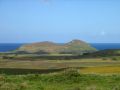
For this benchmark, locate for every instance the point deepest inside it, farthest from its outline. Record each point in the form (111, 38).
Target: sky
(26, 21)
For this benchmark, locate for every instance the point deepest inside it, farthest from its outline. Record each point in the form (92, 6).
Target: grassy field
(101, 70)
(84, 65)
(53, 64)
(75, 74)
(66, 80)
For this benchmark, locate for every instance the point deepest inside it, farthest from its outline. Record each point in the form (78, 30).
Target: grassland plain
(102, 70)
(75, 74)
(65, 80)
(85, 65)
(47, 64)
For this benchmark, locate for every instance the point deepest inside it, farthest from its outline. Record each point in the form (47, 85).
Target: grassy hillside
(75, 46)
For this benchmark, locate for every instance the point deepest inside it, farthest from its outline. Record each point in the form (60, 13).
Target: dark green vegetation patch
(67, 80)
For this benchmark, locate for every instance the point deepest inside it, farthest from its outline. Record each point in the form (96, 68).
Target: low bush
(114, 58)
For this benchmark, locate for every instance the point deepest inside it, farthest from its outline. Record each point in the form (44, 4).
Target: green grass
(15, 74)
(67, 80)
(91, 74)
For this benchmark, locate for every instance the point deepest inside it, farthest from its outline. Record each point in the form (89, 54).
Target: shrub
(71, 72)
(114, 58)
(104, 58)
(2, 78)
(23, 86)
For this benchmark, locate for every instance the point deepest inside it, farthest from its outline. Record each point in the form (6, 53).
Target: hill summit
(74, 46)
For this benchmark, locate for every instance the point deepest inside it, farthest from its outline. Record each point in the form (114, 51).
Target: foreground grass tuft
(67, 80)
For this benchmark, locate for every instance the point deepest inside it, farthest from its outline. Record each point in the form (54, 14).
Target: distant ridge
(74, 46)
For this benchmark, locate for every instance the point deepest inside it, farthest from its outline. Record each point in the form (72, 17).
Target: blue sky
(25, 21)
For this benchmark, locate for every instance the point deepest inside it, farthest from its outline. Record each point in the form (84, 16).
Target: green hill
(74, 46)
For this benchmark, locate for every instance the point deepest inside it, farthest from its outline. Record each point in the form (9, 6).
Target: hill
(72, 47)
(107, 52)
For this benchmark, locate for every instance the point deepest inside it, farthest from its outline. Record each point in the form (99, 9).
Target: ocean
(4, 47)
(103, 46)
(100, 46)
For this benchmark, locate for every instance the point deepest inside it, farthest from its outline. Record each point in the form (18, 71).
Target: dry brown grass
(103, 70)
